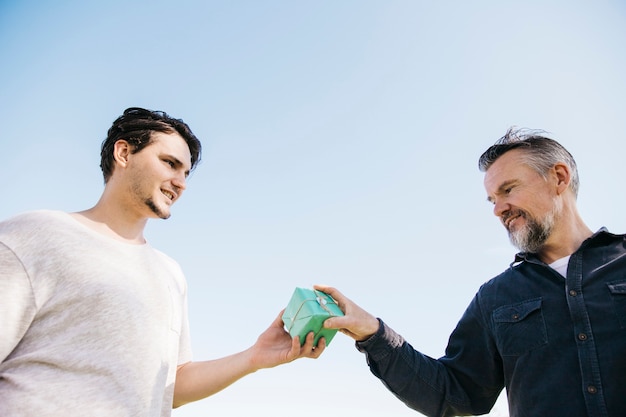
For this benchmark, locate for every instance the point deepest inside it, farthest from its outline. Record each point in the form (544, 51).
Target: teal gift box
(306, 312)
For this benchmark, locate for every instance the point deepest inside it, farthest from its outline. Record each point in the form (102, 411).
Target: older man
(551, 328)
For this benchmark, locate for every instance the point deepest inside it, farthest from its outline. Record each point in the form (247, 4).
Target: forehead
(171, 144)
(508, 167)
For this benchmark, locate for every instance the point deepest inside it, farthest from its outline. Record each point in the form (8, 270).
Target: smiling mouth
(168, 194)
(510, 219)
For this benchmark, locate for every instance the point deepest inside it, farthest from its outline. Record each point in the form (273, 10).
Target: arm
(467, 380)
(197, 380)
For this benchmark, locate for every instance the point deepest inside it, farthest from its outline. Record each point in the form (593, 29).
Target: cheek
(138, 187)
(543, 204)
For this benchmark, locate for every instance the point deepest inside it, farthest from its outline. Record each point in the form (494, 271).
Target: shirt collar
(600, 235)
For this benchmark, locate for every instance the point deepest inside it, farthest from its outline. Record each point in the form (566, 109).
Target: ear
(563, 177)
(121, 152)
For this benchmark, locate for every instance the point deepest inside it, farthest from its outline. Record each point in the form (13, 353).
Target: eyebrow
(501, 188)
(177, 162)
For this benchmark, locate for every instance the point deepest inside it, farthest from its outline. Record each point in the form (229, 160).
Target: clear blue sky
(340, 147)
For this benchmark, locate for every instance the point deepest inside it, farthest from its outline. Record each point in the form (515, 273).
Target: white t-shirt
(560, 265)
(89, 325)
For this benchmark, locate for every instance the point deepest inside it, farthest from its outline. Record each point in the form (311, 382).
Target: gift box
(306, 313)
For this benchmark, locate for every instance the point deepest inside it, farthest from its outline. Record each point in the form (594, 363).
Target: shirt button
(582, 336)
(573, 293)
(591, 389)
(515, 316)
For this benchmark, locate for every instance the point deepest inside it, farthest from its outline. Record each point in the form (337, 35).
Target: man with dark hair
(136, 126)
(93, 320)
(551, 329)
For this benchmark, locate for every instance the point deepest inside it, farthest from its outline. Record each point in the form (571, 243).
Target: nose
(499, 208)
(180, 182)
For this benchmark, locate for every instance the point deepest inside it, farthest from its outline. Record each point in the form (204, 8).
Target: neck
(567, 237)
(114, 220)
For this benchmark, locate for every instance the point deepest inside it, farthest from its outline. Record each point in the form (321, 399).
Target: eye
(170, 163)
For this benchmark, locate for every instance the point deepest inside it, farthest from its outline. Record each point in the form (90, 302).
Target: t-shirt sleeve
(17, 301)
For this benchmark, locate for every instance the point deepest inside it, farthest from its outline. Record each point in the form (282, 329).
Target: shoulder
(496, 283)
(604, 237)
(33, 225)
(33, 218)
(501, 289)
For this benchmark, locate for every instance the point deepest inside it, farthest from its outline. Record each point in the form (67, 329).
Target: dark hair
(540, 153)
(136, 126)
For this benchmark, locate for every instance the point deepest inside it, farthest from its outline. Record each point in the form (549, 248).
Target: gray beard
(534, 234)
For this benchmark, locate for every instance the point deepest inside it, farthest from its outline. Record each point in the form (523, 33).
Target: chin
(163, 214)
(157, 211)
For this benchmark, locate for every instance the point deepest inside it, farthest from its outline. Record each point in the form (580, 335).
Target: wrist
(373, 328)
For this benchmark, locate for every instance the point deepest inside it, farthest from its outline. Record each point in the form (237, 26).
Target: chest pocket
(519, 327)
(618, 295)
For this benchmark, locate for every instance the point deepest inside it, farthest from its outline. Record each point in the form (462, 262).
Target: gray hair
(539, 152)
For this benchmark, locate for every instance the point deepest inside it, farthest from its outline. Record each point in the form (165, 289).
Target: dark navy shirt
(558, 345)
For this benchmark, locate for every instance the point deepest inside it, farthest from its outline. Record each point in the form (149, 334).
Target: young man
(93, 320)
(551, 328)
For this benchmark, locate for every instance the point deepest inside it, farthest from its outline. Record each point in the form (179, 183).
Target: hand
(356, 323)
(196, 380)
(275, 346)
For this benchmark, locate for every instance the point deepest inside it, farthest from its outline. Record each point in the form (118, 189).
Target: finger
(295, 350)
(342, 300)
(295, 345)
(328, 290)
(319, 349)
(335, 322)
(314, 351)
(308, 343)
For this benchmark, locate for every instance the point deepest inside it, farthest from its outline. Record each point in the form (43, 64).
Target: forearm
(414, 378)
(453, 385)
(197, 380)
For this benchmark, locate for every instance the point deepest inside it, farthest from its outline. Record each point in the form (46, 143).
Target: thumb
(334, 323)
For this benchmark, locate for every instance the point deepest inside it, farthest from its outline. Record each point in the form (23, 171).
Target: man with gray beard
(551, 329)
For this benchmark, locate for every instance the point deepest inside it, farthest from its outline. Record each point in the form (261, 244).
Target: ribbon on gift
(321, 299)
